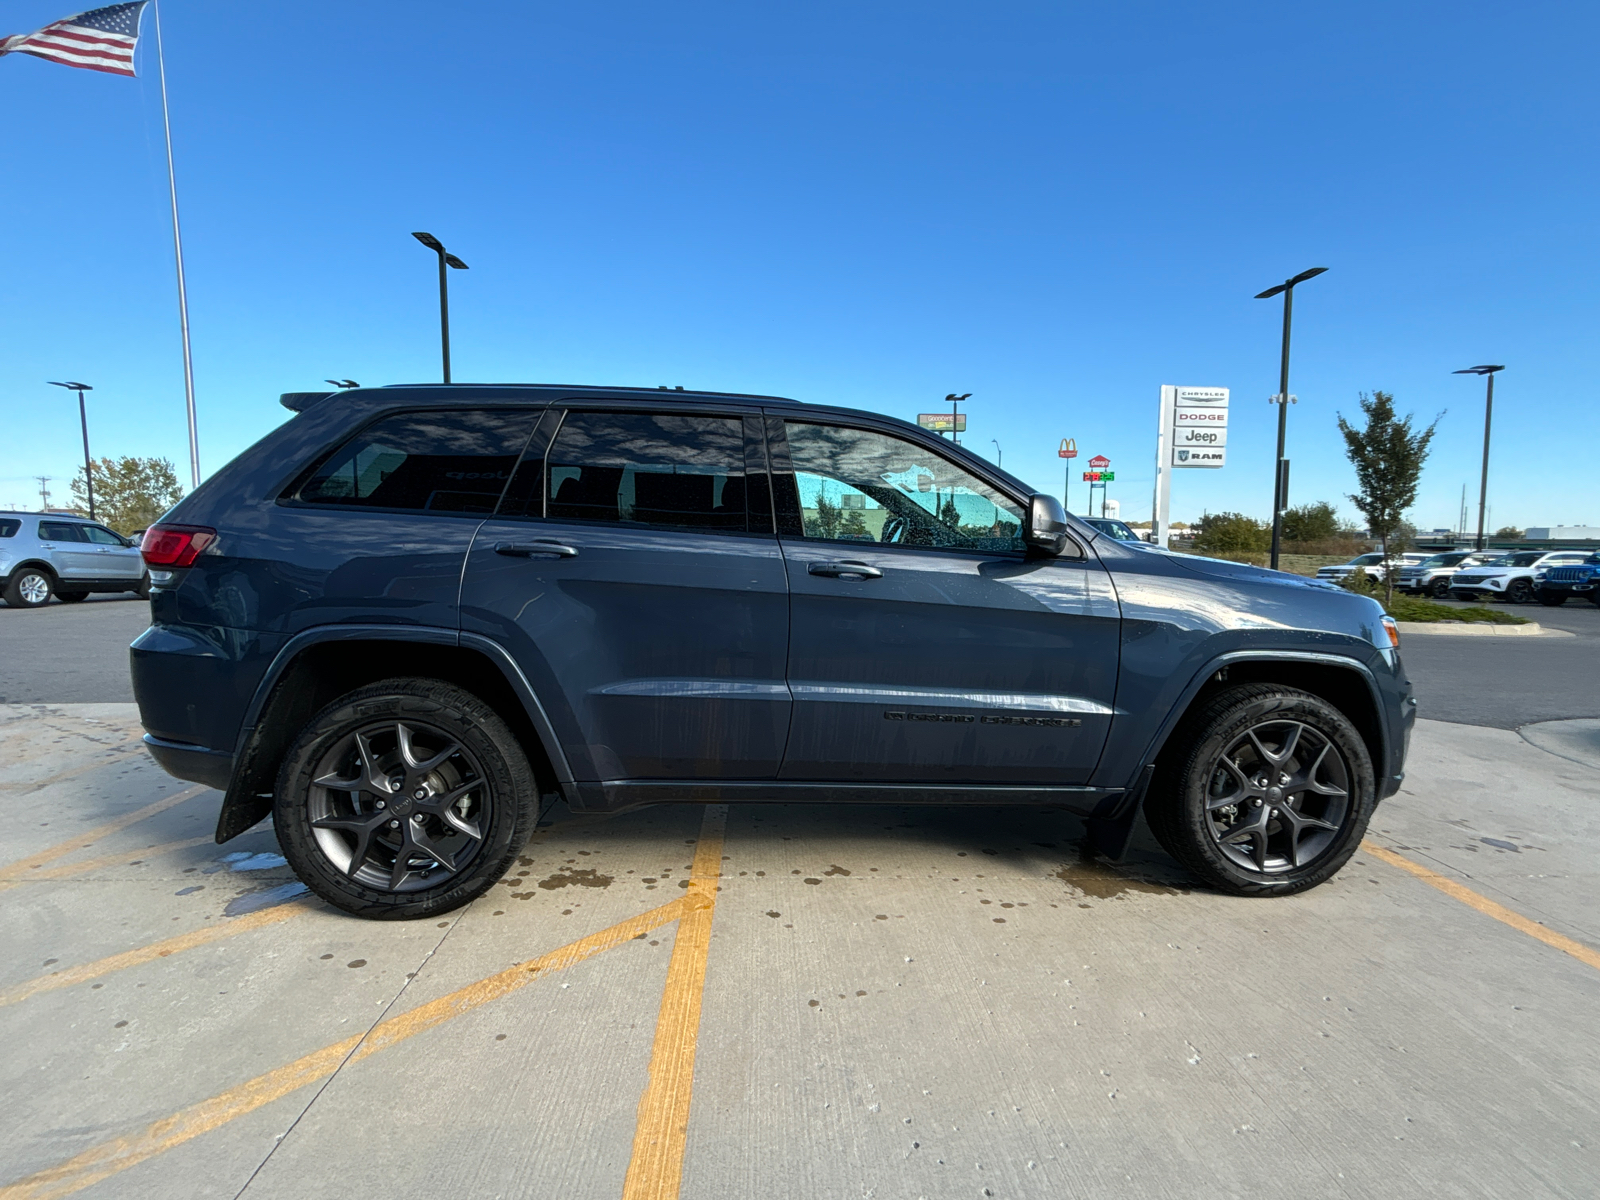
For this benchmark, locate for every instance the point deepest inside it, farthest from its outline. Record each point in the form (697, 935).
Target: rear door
(634, 573)
(926, 644)
(68, 550)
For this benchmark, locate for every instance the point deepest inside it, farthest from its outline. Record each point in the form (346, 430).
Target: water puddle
(255, 901)
(1101, 880)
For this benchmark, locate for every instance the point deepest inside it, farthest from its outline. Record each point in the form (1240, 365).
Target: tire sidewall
(1202, 759)
(466, 719)
(14, 595)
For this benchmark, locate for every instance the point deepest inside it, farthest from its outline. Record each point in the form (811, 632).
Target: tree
(1232, 533)
(1509, 532)
(827, 520)
(1311, 523)
(130, 493)
(1388, 456)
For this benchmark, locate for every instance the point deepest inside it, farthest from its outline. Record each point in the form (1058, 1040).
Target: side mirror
(1047, 524)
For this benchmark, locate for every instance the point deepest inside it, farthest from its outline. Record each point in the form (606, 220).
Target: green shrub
(1232, 533)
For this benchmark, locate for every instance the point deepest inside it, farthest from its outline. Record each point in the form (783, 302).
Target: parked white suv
(1372, 564)
(1510, 578)
(1431, 576)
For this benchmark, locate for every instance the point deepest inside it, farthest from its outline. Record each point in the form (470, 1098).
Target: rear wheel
(143, 589)
(1265, 791)
(1439, 589)
(1552, 599)
(29, 588)
(1519, 591)
(71, 597)
(406, 798)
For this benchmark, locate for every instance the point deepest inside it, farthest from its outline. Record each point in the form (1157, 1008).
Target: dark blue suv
(410, 615)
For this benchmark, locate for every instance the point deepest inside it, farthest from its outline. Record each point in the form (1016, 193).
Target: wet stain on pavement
(584, 877)
(1499, 845)
(835, 869)
(1102, 881)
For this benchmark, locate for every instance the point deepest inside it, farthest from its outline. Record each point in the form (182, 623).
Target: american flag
(100, 40)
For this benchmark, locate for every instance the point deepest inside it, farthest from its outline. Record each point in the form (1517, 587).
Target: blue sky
(1055, 207)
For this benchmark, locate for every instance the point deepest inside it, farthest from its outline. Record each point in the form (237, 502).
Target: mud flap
(1110, 827)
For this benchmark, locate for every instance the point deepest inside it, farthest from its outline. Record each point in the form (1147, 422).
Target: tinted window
(425, 461)
(666, 471)
(854, 485)
(102, 537)
(8, 527)
(60, 531)
(1520, 560)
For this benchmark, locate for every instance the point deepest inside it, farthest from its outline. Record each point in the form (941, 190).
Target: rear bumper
(194, 763)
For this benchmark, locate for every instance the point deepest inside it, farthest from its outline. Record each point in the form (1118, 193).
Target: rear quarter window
(9, 527)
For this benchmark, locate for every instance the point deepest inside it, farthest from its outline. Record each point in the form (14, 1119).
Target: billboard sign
(1069, 448)
(943, 422)
(1099, 463)
(1099, 476)
(1182, 457)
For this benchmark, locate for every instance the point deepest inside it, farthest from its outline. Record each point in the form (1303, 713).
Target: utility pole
(446, 259)
(1488, 417)
(44, 491)
(1280, 474)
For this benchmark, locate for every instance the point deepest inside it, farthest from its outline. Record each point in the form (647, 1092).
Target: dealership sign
(1198, 429)
(1190, 437)
(1182, 457)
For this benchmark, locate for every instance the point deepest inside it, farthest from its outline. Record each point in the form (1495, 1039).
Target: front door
(927, 645)
(115, 559)
(69, 551)
(633, 572)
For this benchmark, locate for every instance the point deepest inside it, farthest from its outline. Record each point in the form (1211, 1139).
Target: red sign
(1069, 448)
(1099, 462)
(1091, 476)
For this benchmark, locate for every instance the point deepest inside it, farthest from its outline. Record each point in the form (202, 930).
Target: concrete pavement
(895, 1002)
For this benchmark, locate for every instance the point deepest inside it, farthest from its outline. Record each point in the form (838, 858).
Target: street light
(1488, 413)
(446, 259)
(83, 417)
(1280, 474)
(953, 400)
(999, 454)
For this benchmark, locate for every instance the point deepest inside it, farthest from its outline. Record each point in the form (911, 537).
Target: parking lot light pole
(999, 454)
(83, 418)
(446, 259)
(955, 407)
(1488, 415)
(1279, 482)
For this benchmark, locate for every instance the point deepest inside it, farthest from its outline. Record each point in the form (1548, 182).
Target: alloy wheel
(34, 588)
(1278, 797)
(399, 806)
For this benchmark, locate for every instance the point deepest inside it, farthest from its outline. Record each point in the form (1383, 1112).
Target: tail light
(175, 545)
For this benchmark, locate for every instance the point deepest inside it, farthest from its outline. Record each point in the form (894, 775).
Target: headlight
(1538, 576)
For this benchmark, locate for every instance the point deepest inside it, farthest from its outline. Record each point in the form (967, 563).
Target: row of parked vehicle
(1518, 577)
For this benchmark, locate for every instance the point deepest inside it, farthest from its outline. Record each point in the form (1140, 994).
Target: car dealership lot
(894, 1001)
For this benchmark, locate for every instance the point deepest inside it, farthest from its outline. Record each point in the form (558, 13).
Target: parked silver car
(49, 554)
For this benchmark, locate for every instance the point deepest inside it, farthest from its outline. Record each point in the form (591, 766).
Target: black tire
(1552, 599)
(1331, 806)
(1519, 591)
(30, 587)
(1594, 597)
(143, 590)
(1439, 589)
(339, 840)
(71, 597)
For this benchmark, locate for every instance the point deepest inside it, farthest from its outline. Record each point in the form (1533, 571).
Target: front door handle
(529, 549)
(844, 570)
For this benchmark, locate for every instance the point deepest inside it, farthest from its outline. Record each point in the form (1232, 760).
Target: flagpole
(177, 248)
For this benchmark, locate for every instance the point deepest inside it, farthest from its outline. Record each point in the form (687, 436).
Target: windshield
(1519, 560)
(1366, 560)
(1116, 529)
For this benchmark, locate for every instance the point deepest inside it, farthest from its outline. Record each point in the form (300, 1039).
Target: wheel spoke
(408, 753)
(424, 845)
(362, 827)
(443, 806)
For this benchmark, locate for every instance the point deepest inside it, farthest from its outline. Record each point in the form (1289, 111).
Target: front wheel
(1440, 589)
(406, 798)
(1519, 591)
(1265, 791)
(1552, 599)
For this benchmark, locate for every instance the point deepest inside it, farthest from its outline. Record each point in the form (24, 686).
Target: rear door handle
(529, 549)
(844, 570)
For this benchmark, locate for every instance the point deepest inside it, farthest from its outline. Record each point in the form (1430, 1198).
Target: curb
(1479, 629)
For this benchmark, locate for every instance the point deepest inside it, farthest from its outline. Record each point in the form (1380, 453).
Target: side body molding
(244, 804)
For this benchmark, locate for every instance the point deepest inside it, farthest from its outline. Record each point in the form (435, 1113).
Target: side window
(671, 472)
(447, 461)
(854, 485)
(102, 537)
(9, 527)
(60, 531)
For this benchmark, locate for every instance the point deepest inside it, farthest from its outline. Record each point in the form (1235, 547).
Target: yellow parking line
(24, 866)
(165, 948)
(655, 1171)
(107, 1159)
(1584, 954)
(105, 860)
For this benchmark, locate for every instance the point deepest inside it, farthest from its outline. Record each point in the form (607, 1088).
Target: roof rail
(300, 401)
